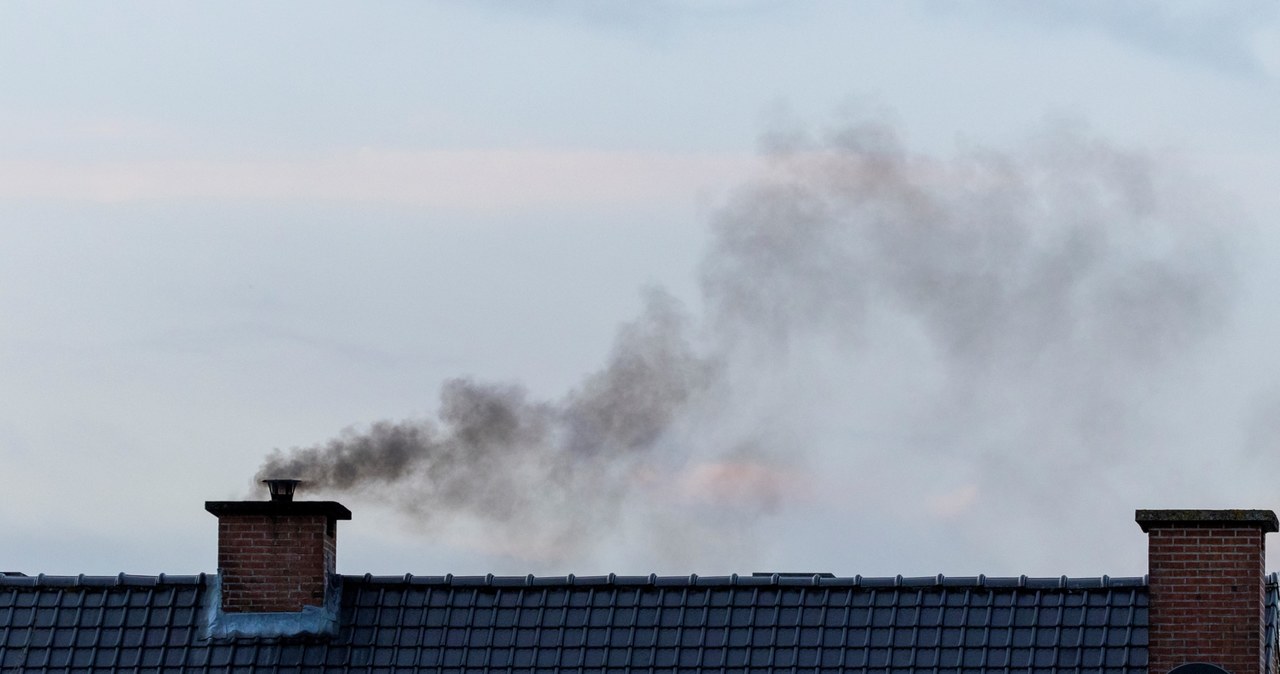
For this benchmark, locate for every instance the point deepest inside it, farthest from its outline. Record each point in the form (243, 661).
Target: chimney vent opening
(281, 489)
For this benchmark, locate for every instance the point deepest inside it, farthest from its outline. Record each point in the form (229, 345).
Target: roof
(602, 624)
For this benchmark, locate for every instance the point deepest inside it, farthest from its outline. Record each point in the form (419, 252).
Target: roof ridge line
(781, 580)
(118, 580)
(691, 580)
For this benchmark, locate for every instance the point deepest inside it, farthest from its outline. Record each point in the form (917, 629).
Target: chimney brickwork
(276, 556)
(1206, 584)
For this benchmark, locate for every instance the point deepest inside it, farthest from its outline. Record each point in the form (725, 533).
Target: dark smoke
(537, 473)
(1001, 312)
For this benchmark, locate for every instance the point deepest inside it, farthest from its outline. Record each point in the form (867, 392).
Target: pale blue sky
(231, 227)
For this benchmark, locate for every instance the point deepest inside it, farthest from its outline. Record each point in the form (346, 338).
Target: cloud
(1211, 34)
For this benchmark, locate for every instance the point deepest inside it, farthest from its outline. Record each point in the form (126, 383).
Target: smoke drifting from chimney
(536, 473)
(999, 303)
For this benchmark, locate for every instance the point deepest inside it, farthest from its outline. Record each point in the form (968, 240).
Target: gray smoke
(1001, 314)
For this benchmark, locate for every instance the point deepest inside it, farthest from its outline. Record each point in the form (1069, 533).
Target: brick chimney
(277, 555)
(1206, 587)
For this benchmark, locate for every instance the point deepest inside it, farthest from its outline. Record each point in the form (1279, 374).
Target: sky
(729, 286)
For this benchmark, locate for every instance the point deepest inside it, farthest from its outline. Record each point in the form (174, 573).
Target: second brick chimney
(1207, 588)
(278, 555)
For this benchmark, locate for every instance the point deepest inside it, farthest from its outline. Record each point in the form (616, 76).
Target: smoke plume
(541, 474)
(985, 324)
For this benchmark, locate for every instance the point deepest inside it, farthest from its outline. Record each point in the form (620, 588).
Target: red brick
(1206, 594)
(274, 563)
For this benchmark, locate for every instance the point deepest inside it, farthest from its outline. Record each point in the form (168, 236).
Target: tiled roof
(616, 624)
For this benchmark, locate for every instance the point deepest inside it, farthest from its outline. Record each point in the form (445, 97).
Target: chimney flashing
(1262, 519)
(311, 621)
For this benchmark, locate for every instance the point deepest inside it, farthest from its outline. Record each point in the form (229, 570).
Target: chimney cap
(331, 509)
(1261, 519)
(281, 488)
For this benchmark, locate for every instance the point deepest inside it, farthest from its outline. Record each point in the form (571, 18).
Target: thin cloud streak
(446, 179)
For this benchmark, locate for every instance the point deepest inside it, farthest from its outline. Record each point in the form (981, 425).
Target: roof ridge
(757, 580)
(692, 580)
(82, 580)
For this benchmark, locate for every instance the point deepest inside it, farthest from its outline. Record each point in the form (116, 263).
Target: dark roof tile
(482, 623)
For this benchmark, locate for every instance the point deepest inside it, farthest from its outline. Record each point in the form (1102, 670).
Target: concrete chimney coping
(331, 509)
(1261, 519)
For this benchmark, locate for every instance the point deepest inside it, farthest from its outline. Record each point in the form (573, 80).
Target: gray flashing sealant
(310, 621)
